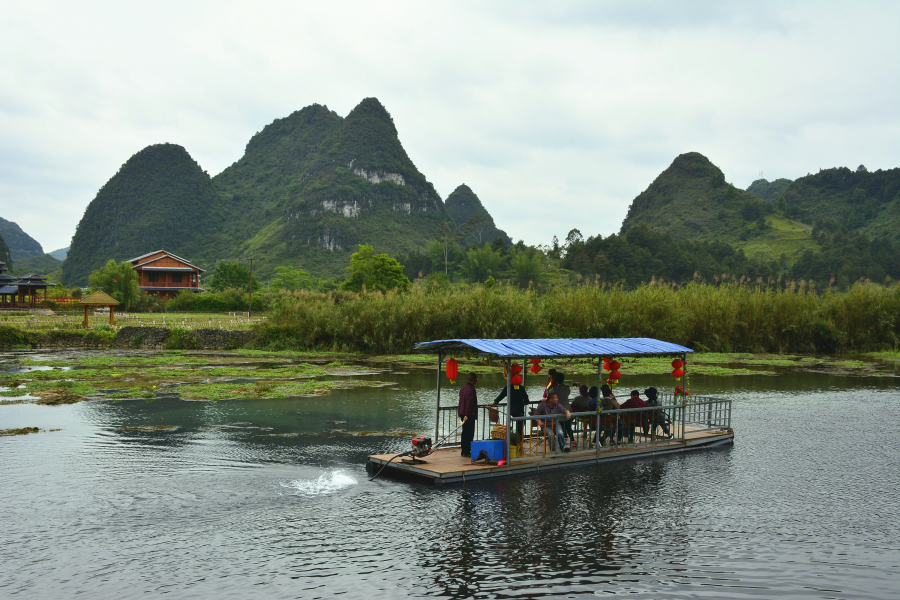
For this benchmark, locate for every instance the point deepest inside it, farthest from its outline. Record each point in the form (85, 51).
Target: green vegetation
(470, 216)
(160, 198)
(18, 431)
(731, 317)
(842, 199)
(374, 272)
(231, 276)
(768, 190)
(119, 281)
(18, 243)
(692, 201)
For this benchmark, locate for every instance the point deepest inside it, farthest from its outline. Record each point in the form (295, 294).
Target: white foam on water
(327, 483)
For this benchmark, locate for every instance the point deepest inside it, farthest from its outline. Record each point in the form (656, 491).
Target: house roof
(100, 298)
(165, 253)
(559, 347)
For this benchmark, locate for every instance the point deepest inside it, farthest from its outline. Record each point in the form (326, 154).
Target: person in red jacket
(468, 412)
(635, 418)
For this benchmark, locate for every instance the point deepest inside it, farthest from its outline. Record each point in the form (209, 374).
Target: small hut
(100, 298)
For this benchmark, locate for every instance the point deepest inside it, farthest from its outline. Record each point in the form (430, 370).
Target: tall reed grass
(724, 318)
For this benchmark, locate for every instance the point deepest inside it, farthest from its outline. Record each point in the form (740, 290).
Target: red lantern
(452, 370)
(677, 363)
(677, 373)
(614, 366)
(535, 368)
(615, 375)
(516, 369)
(535, 361)
(516, 380)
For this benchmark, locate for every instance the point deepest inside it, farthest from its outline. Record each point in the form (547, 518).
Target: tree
(119, 281)
(482, 262)
(447, 236)
(291, 279)
(477, 224)
(231, 275)
(528, 265)
(374, 272)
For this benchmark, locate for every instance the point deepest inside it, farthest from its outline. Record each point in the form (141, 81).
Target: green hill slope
(462, 203)
(21, 245)
(857, 200)
(5, 255)
(159, 199)
(691, 200)
(312, 186)
(768, 190)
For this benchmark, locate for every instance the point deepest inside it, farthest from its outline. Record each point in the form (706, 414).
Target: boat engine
(421, 446)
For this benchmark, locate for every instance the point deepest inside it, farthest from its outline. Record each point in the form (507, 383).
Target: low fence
(601, 431)
(449, 423)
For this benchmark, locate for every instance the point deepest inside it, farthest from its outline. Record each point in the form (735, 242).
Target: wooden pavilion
(100, 298)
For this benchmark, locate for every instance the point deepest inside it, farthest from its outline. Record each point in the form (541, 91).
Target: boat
(693, 422)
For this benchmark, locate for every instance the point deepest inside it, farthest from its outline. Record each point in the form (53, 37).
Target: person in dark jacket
(468, 412)
(657, 418)
(635, 419)
(517, 403)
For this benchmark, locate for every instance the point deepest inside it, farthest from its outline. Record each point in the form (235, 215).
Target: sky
(556, 114)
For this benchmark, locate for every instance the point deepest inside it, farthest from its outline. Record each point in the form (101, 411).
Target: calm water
(270, 499)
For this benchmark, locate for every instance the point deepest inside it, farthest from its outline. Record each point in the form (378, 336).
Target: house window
(193, 278)
(176, 277)
(153, 277)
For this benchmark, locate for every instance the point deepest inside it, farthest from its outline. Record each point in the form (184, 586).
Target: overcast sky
(556, 114)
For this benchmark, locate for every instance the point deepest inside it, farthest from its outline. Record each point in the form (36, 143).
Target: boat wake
(327, 483)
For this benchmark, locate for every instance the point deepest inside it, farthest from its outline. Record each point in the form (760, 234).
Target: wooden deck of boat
(445, 465)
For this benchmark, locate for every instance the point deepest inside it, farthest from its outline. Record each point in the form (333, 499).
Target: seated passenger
(551, 406)
(657, 418)
(611, 426)
(632, 420)
(593, 402)
(581, 401)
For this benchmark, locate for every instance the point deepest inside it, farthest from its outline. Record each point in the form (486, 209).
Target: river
(270, 499)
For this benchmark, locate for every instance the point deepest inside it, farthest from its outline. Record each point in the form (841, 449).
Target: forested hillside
(852, 200)
(20, 244)
(5, 256)
(312, 186)
(160, 199)
(472, 218)
(768, 190)
(692, 200)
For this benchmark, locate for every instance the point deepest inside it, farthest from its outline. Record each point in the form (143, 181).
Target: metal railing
(595, 431)
(705, 414)
(448, 421)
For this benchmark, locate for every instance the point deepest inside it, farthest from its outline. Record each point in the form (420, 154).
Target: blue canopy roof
(564, 347)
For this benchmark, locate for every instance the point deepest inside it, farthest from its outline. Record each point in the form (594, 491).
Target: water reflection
(251, 498)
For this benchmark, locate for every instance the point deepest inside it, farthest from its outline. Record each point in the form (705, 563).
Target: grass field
(786, 237)
(41, 321)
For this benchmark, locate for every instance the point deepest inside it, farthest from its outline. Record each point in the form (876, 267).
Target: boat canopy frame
(510, 350)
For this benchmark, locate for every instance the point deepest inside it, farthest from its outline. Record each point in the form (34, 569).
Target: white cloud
(556, 114)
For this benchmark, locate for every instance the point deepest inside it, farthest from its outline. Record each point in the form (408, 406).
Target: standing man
(517, 404)
(468, 412)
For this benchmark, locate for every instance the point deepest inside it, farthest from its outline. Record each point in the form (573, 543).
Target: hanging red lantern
(677, 363)
(677, 373)
(516, 369)
(535, 361)
(614, 366)
(452, 370)
(516, 380)
(615, 375)
(535, 369)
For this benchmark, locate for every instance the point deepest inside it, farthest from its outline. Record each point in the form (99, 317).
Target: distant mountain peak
(462, 204)
(21, 245)
(371, 107)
